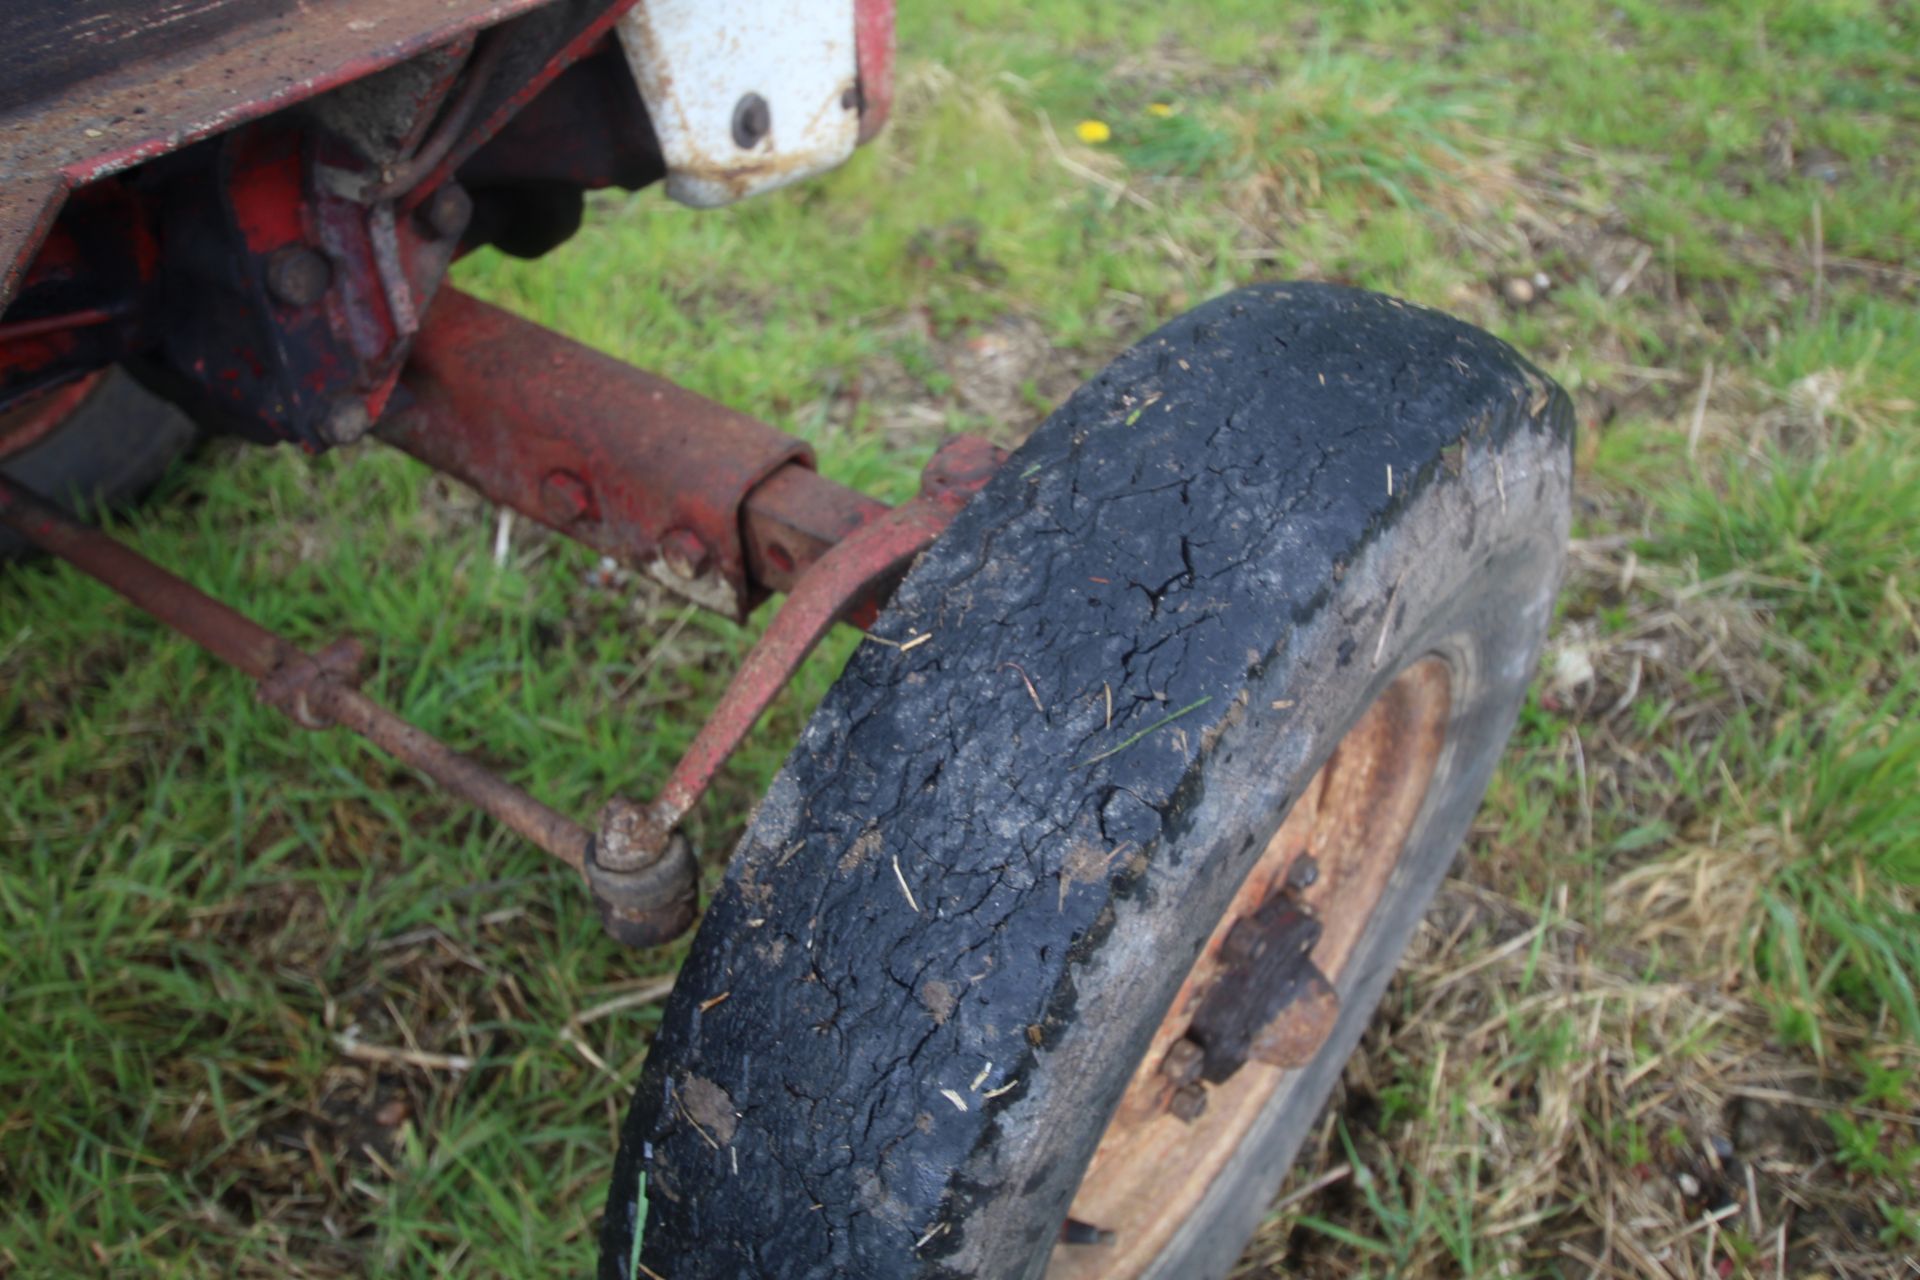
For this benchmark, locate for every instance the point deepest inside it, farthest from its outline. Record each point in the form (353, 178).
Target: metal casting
(1267, 966)
(746, 96)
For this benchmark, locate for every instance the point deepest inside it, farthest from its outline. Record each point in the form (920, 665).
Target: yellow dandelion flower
(1093, 132)
(1161, 109)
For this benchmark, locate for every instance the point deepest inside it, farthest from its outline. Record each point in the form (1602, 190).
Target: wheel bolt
(1183, 1062)
(1188, 1102)
(752, 119)
(298, 276)
(1073, 1231)
(446, 212)
(1302, 874)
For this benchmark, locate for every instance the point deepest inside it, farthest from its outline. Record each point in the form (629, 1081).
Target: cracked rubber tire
(112, 448)
(961, 916)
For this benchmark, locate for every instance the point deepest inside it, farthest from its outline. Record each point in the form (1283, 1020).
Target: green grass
(1709, 814)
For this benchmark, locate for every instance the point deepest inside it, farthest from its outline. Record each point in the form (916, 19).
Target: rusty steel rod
(462, 775)
(845, 583)
(314, 690)
(820, 599)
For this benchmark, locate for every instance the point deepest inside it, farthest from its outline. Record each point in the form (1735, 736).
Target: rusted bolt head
(298, 276)
(1295, 1036)
(1188, 1102)
(631, 837)
(1183, 1062)
(1244, 942)
(1303, 873)
(686, 556)
(752, 121)
(445, 213)
(564, 497)
(959, 468)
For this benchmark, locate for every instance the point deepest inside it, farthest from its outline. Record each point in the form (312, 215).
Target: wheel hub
(1262, 998)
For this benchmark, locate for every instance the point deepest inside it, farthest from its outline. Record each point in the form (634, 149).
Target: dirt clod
(710, 1107)
(939, 1000)
(863, 847)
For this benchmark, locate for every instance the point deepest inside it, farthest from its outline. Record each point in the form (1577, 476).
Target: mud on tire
(965, 907)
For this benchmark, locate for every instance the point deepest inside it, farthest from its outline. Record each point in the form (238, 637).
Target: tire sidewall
(1313, 573)
(1469, 574)
(1487, 618)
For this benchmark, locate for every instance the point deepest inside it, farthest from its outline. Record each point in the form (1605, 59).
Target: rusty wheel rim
(1153, 1167)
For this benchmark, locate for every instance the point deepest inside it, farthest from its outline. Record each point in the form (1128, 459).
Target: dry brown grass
(1601, 1087)
(1738, 1146)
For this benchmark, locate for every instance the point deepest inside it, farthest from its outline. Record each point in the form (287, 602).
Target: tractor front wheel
(1049, 941)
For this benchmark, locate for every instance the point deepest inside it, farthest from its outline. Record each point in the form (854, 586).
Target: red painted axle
(715, 505)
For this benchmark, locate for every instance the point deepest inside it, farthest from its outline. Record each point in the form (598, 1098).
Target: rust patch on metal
(1294, 1036)
(1165, 1145)
(619, 459)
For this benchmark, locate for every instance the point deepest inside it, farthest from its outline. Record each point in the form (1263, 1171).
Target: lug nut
(752, 121)
(1302, 874)
(1183, 1062)
(298, 276)
(445, 213)
(1073, 1231)
(1188, 1102)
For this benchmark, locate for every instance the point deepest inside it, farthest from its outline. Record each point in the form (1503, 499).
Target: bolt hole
(779, 557)
(752, 120)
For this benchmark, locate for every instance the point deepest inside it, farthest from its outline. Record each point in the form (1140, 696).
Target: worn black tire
(110, 451)
(1207, 525)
